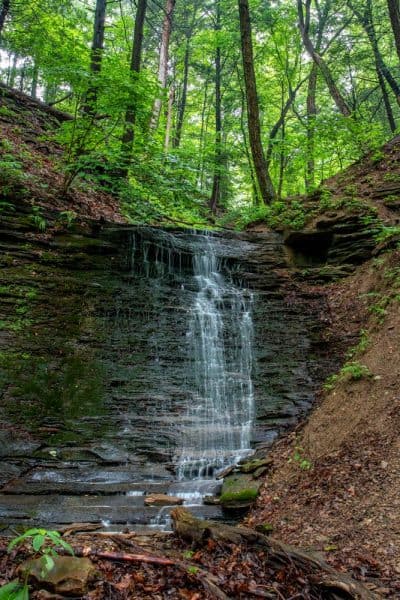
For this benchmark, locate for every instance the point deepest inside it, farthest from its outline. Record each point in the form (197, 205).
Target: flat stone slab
(162, 500)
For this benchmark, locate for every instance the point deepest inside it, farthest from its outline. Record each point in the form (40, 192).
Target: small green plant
(300, 460)
(37, 218)
(192, 570)
(351, 371)
(385, 233)
(188, 554)
(362, 345)
(354, 371)
(351, 189)
(43, 542)
(326, 201)
(68, 217)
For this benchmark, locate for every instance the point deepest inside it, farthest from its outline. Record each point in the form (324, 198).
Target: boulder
(239, 491)
(70, 576)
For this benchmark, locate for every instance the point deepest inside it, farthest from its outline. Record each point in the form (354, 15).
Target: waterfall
(217, 425)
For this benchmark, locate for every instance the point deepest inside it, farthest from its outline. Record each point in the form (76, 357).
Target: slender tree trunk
(260, 165)
(96, 58)
(22, 77)
(170, 112)
(311, 119)
(394, 12)
(216, 191)
(183, 100)
(13, 71)
(366, 20)
(286, 106)
(304, 25)
(202, 135)
(35, 80)
(130, 116)
(386, 101)
(163, 62)
(256, 195)
(5, 6)
(282, 161)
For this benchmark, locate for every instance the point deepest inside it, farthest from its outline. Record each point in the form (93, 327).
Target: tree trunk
(304, 25)
(35, 81)
(168, 127)
(4, 10)
(183, 100)
(260, 165)
(394, 12)
(96, 58)
(311, 119)
(366, 20)
(202, 136)
(12, 71)
(130, 116)
(163, 62)
(216, 191)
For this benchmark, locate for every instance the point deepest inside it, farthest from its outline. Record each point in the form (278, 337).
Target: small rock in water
(162, 500)
(70, 576)
(225, 472)
(211, 500)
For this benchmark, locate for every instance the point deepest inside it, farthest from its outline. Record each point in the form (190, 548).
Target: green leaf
(38, 542)
(22, 594)
(48, 564)
(8, 591)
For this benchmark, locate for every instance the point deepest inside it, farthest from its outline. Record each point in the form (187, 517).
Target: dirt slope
(336, 481)
(32, 163)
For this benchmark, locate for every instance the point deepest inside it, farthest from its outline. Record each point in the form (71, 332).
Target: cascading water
(217, 427)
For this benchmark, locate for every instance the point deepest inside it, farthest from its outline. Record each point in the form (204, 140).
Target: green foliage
(351, 371)
(68, 217)
(386, 233)
(14, 591)
(300, 459)
(44, 542)
(278, 215)
(37, 219)
(361, 346)
(192, 570)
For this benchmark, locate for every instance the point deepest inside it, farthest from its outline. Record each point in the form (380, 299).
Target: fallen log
(322, 576)
(124, 557)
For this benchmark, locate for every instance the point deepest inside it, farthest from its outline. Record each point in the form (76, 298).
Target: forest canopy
(186, 107)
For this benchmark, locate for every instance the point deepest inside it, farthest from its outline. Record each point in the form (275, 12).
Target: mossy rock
(252, 466)
(239, 491)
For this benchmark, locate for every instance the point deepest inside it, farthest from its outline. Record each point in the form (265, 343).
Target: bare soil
(335, 487)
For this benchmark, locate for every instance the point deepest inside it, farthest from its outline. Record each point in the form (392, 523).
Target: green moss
(246, 495)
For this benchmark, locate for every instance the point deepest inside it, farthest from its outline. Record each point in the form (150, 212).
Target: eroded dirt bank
(336, 479)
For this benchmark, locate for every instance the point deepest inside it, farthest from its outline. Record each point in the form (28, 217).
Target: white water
(217, 427)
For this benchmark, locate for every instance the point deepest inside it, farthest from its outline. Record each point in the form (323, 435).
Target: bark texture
(260, 164)
(163, 61)
(130, 116)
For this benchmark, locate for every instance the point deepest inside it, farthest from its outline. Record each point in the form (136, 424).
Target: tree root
(322, 577)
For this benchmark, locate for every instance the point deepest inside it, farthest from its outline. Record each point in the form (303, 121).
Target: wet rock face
(96, 376)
